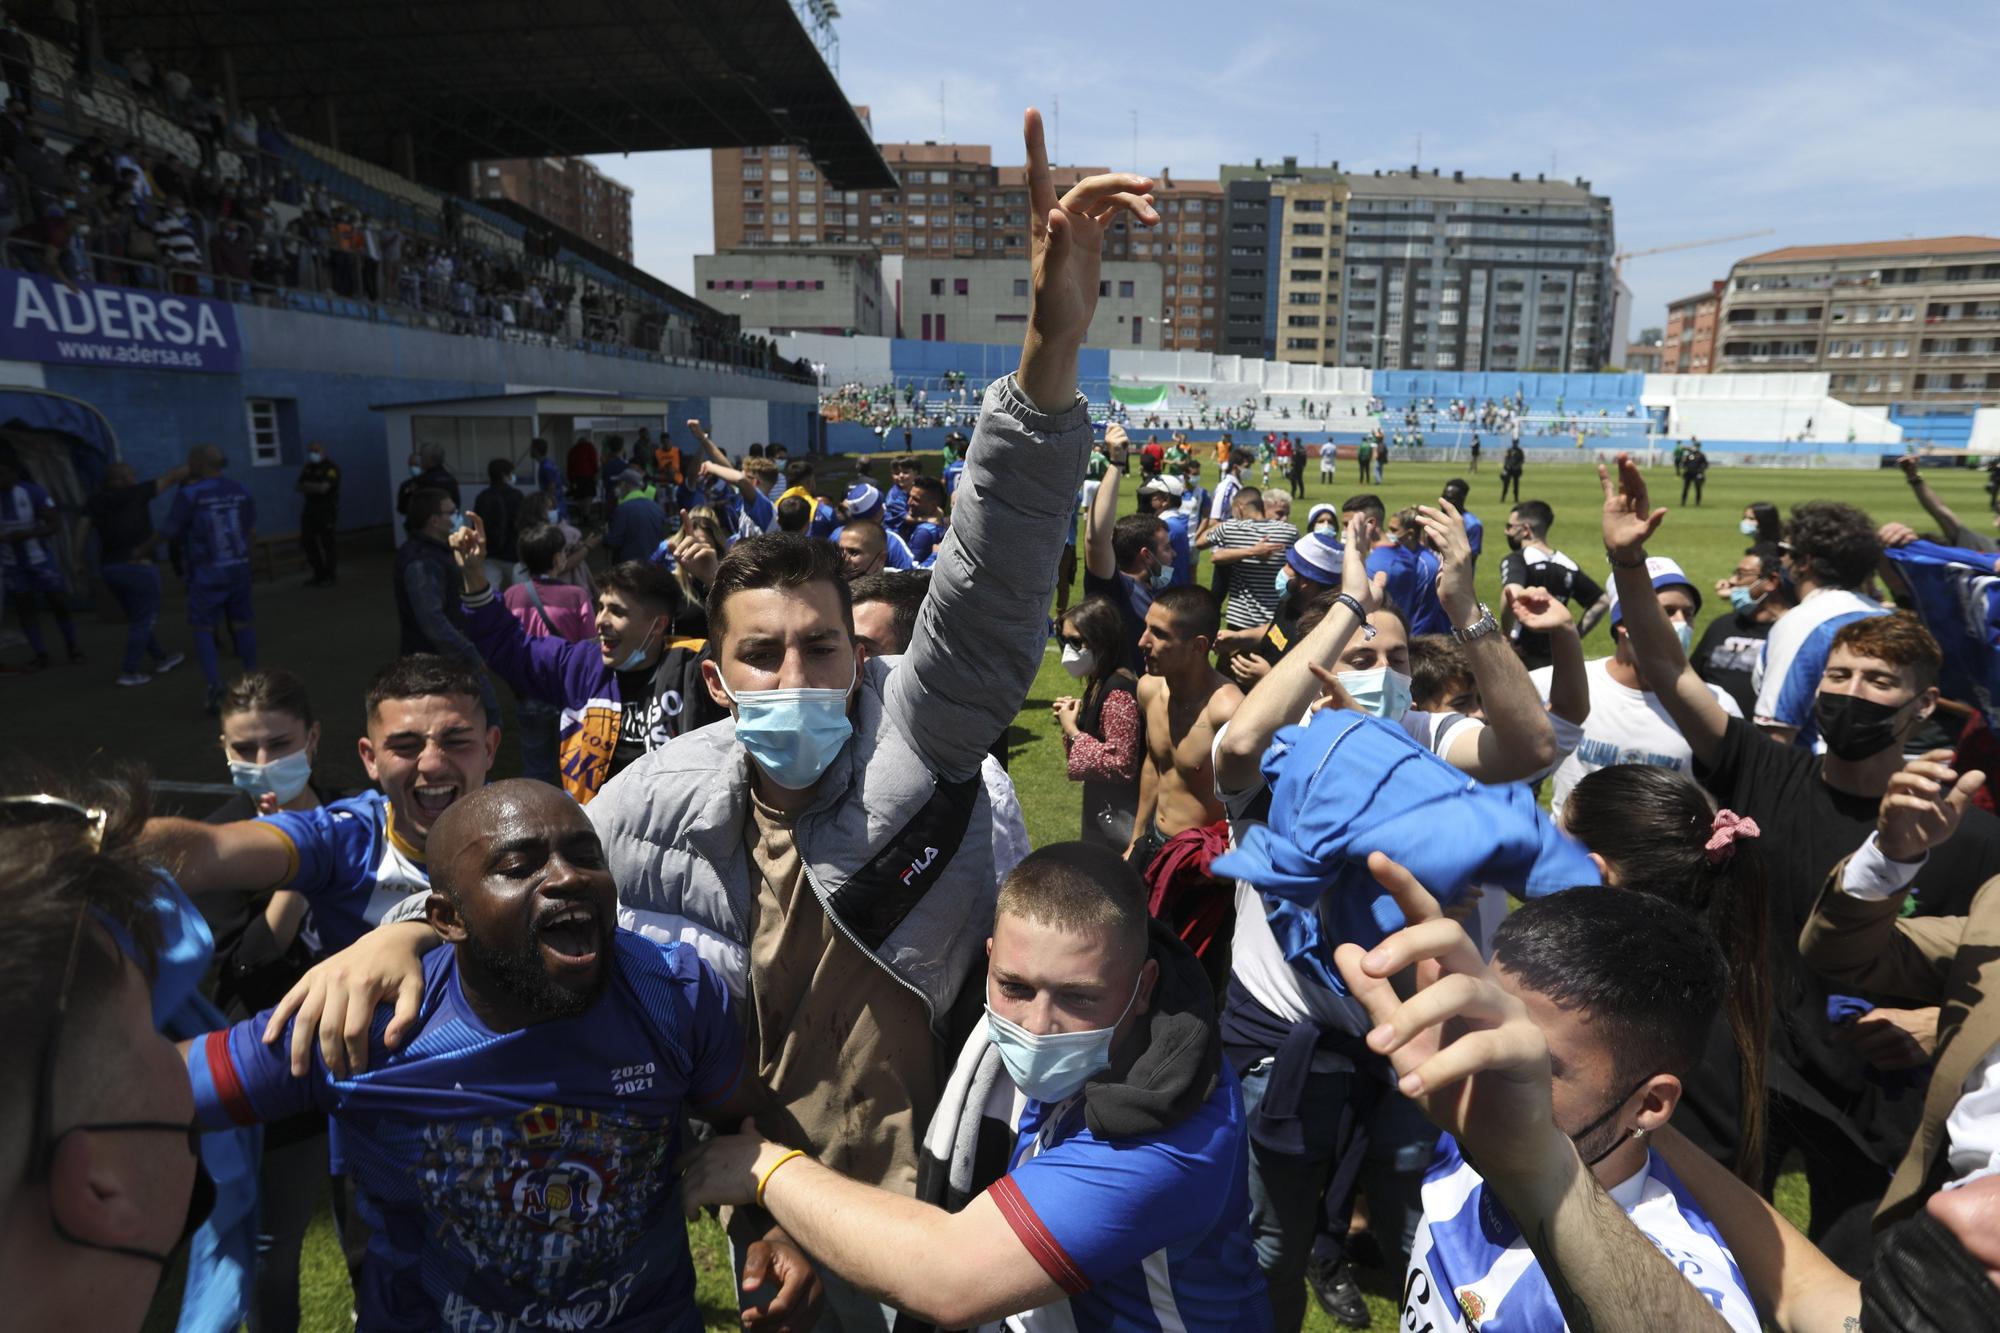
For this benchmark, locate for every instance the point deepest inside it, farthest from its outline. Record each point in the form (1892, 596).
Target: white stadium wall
(1985, 431)
(1777, 406)
(847, 360)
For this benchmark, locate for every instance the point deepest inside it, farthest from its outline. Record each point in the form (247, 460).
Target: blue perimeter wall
(329, 373)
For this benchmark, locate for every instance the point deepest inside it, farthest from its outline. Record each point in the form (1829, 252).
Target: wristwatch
(1479, 628)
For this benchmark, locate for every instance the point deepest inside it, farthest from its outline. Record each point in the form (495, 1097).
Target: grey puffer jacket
(899, 844)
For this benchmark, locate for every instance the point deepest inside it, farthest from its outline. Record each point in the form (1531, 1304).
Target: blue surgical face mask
(283, 778)
(1748, 527)
(1383, 692)
(1163, 577)
(416, 469)
(1684, 631)
(1741, 598)
(1052, 1068)
(458, 520)
(635, 659)
(792, 734)
(1284, 581)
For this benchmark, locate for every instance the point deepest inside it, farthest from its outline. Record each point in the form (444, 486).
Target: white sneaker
(171, 661)
(135, 678)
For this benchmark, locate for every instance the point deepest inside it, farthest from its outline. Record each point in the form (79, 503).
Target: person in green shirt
(1093, 468)
(1364, 454)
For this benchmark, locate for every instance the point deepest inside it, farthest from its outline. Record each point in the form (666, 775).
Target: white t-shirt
(1225, 496)
(1626, 726)
(1789, 634)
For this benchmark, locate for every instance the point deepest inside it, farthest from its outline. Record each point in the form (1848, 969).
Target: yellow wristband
(772, 1170)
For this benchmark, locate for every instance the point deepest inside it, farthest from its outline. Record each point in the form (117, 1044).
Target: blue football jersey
(519, 1179)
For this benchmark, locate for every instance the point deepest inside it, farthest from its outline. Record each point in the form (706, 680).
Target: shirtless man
(1184, 700)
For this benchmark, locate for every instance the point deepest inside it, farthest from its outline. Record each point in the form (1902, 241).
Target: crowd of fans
(1316, 940)
(243, 223)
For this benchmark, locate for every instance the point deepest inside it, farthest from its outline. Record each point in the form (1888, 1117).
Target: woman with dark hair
(263, 944)
(1101, 729)
(1761, 522)
(1657, 831)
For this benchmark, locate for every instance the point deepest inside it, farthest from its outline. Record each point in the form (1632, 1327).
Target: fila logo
(920, 865)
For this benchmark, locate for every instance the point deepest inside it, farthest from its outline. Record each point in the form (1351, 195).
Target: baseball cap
(1165, 484)
(1664, 573)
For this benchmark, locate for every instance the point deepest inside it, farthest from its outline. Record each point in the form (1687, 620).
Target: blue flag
(1958, 598)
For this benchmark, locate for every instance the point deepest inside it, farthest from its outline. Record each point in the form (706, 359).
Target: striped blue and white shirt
(1470, 1269)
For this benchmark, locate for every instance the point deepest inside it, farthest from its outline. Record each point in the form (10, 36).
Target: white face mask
(1079, 662)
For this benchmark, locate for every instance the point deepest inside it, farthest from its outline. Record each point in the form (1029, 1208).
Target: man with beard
(541, 1098)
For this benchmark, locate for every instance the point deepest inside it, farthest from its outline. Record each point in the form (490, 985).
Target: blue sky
(1829, 122)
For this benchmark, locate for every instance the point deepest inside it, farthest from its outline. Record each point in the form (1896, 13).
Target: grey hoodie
(899, 845)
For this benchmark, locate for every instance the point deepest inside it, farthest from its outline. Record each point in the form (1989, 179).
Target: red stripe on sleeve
(1040, 1242)
(222, 1072)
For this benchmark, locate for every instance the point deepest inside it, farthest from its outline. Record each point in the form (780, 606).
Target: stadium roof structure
(426, 86)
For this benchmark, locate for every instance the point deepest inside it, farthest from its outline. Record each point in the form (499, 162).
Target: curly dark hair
(1837, 539)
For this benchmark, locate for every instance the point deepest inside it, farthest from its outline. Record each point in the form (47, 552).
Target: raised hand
(1537, 609)
(692, 552)
(1628, 519)
(1066, 237)
(1463, 1049)
(1355, 581)
(468, 544)
(1117, 445)
(1923, 805)
(1445, 526)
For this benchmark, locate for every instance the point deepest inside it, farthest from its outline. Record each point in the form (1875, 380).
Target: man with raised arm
(1879, 682)
(1291, 1035)
(824, 847)
(1536, 1234)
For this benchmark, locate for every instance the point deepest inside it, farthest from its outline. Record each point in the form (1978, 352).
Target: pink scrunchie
(1727, 828)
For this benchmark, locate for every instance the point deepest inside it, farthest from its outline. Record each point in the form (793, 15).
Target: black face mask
(1854, 727)
(1513, 542)
(1923, 1281)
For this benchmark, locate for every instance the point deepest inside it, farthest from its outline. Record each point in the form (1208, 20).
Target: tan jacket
(1950, 961)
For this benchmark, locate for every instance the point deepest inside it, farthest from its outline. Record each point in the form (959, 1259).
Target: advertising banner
(101, 325)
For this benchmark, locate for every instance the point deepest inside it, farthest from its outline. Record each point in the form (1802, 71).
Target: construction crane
(1618, 260)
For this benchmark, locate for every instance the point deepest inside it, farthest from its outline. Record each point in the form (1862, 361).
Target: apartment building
(1692, 321)
(986, 301)
(798, 289)
(1470, 273)
(568, 191)
(1912, 320)
(955, 203)
(1416, 271)
(1283, 261)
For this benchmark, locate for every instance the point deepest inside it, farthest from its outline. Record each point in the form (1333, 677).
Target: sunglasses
(22, 811)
